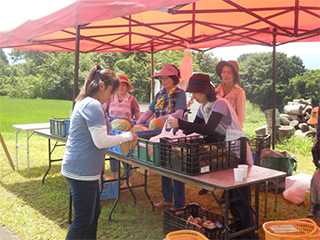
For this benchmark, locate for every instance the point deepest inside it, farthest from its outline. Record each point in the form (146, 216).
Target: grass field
(32, 210)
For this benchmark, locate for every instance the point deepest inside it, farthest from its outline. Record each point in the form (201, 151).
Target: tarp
(145, 25)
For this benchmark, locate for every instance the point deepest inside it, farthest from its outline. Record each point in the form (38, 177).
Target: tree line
(50, 75)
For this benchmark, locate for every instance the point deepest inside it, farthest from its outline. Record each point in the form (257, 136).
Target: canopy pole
(152, 71)
(274, 87)
(76, 64)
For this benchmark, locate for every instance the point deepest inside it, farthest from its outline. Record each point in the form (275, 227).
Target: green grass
(24, 111)
(35, 211)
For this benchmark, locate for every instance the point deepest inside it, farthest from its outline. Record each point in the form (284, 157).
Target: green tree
(256, 72)
(307, 85)
(3, 58)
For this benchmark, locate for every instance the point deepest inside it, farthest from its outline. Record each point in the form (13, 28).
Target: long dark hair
(95, 77)
(211, 97)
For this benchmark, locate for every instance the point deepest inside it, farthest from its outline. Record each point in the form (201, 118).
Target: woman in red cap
(214, 116)
(228, 71)
(170, 100)
(121, 105)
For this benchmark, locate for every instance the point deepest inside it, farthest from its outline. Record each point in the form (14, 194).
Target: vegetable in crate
(139, 128)
(121, 124)
(156, 123)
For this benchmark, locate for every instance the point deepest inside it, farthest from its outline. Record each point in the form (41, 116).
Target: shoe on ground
(203, 191)
(162, 204)
(314, 213)
(177, 211)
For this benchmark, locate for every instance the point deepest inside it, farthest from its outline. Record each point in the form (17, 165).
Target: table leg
(17, 131)
(49, 152)
(265, 199)
(256, 203)
(226, 214)
(27, 151)
(145, 188)
(118, 193)
(276, 195)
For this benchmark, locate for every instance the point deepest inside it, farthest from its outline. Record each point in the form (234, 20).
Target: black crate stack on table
(193, 155)
(257, 143)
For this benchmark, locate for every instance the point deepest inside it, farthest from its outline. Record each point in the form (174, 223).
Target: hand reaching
(173, 122)
(133, 142)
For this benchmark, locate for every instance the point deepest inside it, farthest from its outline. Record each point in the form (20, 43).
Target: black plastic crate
(258, 142)
(173, 222)
(194, 155)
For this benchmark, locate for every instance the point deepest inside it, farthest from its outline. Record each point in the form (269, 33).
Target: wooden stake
(7, 153)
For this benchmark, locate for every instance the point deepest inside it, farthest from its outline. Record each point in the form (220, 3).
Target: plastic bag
(186, 70)
(164, 133)
(296, 193)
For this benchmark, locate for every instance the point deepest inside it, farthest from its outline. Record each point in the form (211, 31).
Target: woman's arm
(101, 138)
(241, 106)
(203, 129)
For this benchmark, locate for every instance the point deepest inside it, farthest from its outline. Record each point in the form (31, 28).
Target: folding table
(28, 128)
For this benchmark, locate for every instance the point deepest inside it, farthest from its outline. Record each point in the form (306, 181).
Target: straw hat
(232, 64)
(124, 78)
(314, 116)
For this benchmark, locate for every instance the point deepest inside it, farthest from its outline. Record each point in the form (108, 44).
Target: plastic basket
(194, 156)
(257, 143)
(303, 228)
(185, 235)
(110, 190)
(60, 126)
(146, 150)
(174, 220)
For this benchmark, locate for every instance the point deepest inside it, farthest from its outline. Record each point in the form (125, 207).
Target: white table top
(32, 126)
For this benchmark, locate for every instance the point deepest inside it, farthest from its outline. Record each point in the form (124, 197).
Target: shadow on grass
(39, 171)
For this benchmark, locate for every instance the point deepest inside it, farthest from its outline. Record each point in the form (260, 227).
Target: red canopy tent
(112, 26)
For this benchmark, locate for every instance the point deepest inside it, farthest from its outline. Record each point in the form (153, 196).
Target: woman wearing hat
(170, 100)
(228, 71)
(122, 104)
(214, 116)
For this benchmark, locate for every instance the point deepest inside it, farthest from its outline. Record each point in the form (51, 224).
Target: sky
(15, 12)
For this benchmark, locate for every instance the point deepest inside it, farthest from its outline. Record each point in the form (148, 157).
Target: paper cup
(245, 167)
(238, 174)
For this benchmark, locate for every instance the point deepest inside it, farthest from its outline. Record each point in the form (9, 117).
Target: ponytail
(95, 77)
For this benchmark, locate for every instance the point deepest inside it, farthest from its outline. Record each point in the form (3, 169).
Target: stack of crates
(60, 126)
(194, 155)
(257, 143)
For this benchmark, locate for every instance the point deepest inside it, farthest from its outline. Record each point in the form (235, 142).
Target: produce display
(193, 156)
(156, 123)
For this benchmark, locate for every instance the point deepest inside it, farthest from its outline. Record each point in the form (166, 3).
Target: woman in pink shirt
(228, 71)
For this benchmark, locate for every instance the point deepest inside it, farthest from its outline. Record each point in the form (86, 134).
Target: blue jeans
(176, 190)
(114, 166)
(87, 208)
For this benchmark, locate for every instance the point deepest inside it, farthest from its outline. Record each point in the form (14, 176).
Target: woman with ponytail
(84, 157)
